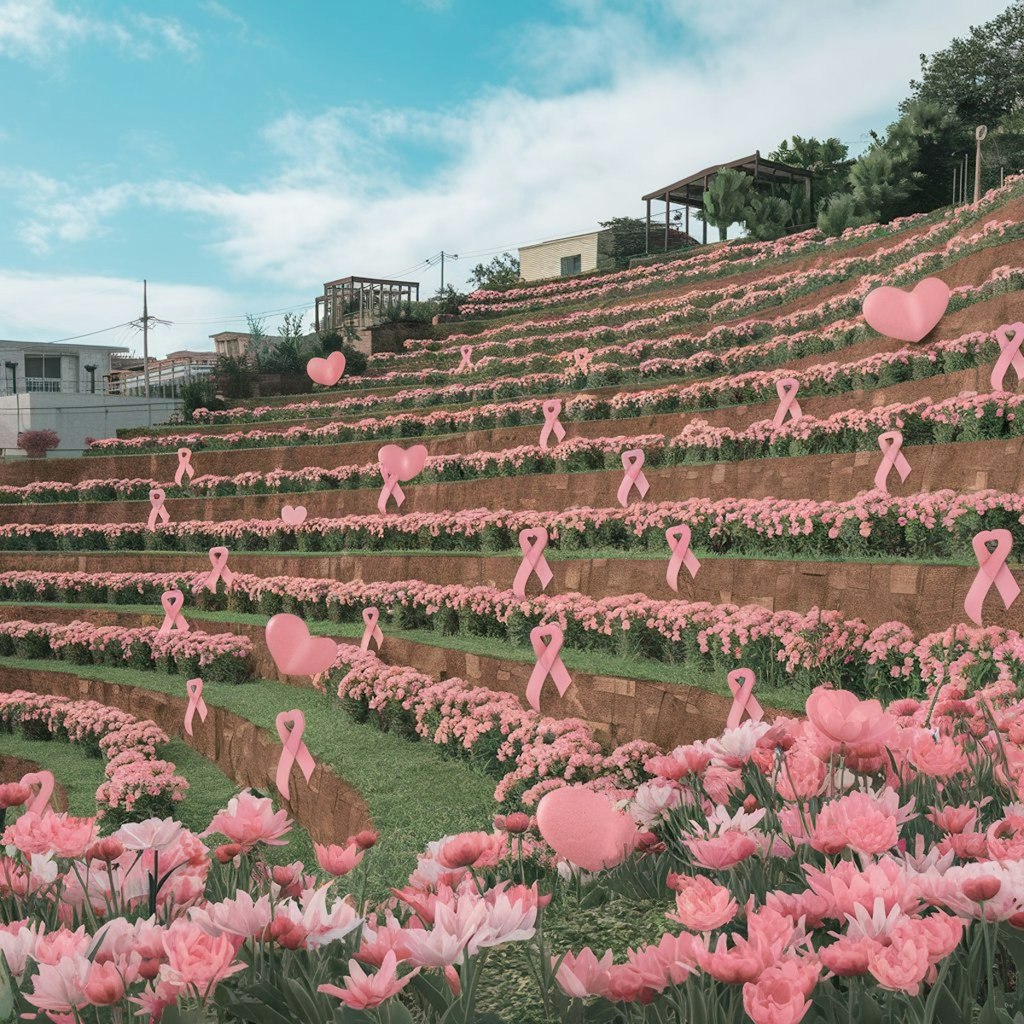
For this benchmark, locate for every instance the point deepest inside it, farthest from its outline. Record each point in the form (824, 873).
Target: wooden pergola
(690, 191)
(360, 301)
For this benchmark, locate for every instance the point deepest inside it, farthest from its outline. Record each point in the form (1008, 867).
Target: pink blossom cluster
(737, 255)
(144, 646)
(532, 753)
(969, 416)
(780, 645)
(133, 770)
(910, 362)
(927, 524)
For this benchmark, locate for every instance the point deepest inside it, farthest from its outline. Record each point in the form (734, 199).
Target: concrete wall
(76, 417)
(537, 262)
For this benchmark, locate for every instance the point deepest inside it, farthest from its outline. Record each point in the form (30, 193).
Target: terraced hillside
(806, 573)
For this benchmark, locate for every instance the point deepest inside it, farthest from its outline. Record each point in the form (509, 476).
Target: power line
(89, 334)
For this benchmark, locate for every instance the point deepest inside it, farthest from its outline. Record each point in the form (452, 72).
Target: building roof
(690, 191)
(63, 345)
(564, 238)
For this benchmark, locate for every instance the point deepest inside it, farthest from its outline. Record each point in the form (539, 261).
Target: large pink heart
(907, 316)
(327, 371)
(402, 463)
(583, 827)
(293, 515)
(294, 651)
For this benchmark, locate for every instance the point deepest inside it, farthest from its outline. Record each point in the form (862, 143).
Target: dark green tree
(501, 272)
(840, 213)
(767, 217)
(827, 159)
(727, 199)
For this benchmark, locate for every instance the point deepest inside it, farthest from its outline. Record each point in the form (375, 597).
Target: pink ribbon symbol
(786, 389)
(552, 408)
(371, 616)
(184, 466)
(467, 352)
(892, 458)
(294, 749)
(741, 682)
(582, 357)
(992, 569)
(156, 500)
(532, 542)
(1009, 354)
(633, 464)
(219, 561)
(391, 489)
(678, 538)
(194, 687)
(173, 601)
(549, 663)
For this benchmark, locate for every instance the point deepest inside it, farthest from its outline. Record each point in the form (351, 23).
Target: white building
(64, 387)
(563, 257)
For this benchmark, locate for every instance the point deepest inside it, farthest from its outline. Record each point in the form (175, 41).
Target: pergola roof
(690, 191)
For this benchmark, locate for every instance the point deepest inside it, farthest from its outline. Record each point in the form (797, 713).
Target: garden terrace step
(328, 807)
(616, 709)
(229, 462)
(963, 466)
(1012, 209)
(927, 596)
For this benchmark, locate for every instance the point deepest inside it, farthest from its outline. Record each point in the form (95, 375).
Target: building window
(42, 373)
(571, 265)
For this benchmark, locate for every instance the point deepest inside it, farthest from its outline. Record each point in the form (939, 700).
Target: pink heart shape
(326, 371)
(402, 463)
(294, 651)
(44, 780)
(583, 827)
(293, 515)
(907, 316)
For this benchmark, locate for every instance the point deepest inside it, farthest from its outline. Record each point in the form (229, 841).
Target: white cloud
(28, 311)
(37, 30)
(523, 164)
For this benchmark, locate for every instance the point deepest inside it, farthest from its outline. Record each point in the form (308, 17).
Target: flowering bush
(782, 646)
(861, 861)
(36, 443)
(220, 657)
(928, 525)
(138, 782)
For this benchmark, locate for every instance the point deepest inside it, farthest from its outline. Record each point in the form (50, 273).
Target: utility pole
(979, 137)
(145, 339)
(444, 255)
(143, 322)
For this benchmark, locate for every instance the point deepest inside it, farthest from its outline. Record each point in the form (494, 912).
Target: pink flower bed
(929, 524)
(138, 782)
(782, 646)
(967, 417)
(221, 657)
(862, 859)
(908, 363)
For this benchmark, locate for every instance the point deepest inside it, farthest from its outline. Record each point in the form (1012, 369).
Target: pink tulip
(248, 820)
(584, 975)
(778, 996)
(338, 860)
(701, 905)
(104, 985)
(363, 991)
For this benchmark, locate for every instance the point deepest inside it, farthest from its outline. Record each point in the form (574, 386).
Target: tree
(257, 336)
(727, 198)
(881, 182)
(840, 213)
(827, 159)
(501, 272)
(767, 217)
(977, 79)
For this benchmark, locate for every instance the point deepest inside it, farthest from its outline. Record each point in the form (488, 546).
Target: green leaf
(174, 1015)
(6, 994)
(870, 1011)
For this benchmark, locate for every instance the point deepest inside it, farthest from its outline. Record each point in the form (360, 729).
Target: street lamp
(90, 368)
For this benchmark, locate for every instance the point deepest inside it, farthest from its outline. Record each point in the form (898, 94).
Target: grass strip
(414, 795)
(789, 698)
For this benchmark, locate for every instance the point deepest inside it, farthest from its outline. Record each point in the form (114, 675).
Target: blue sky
(239, 154)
